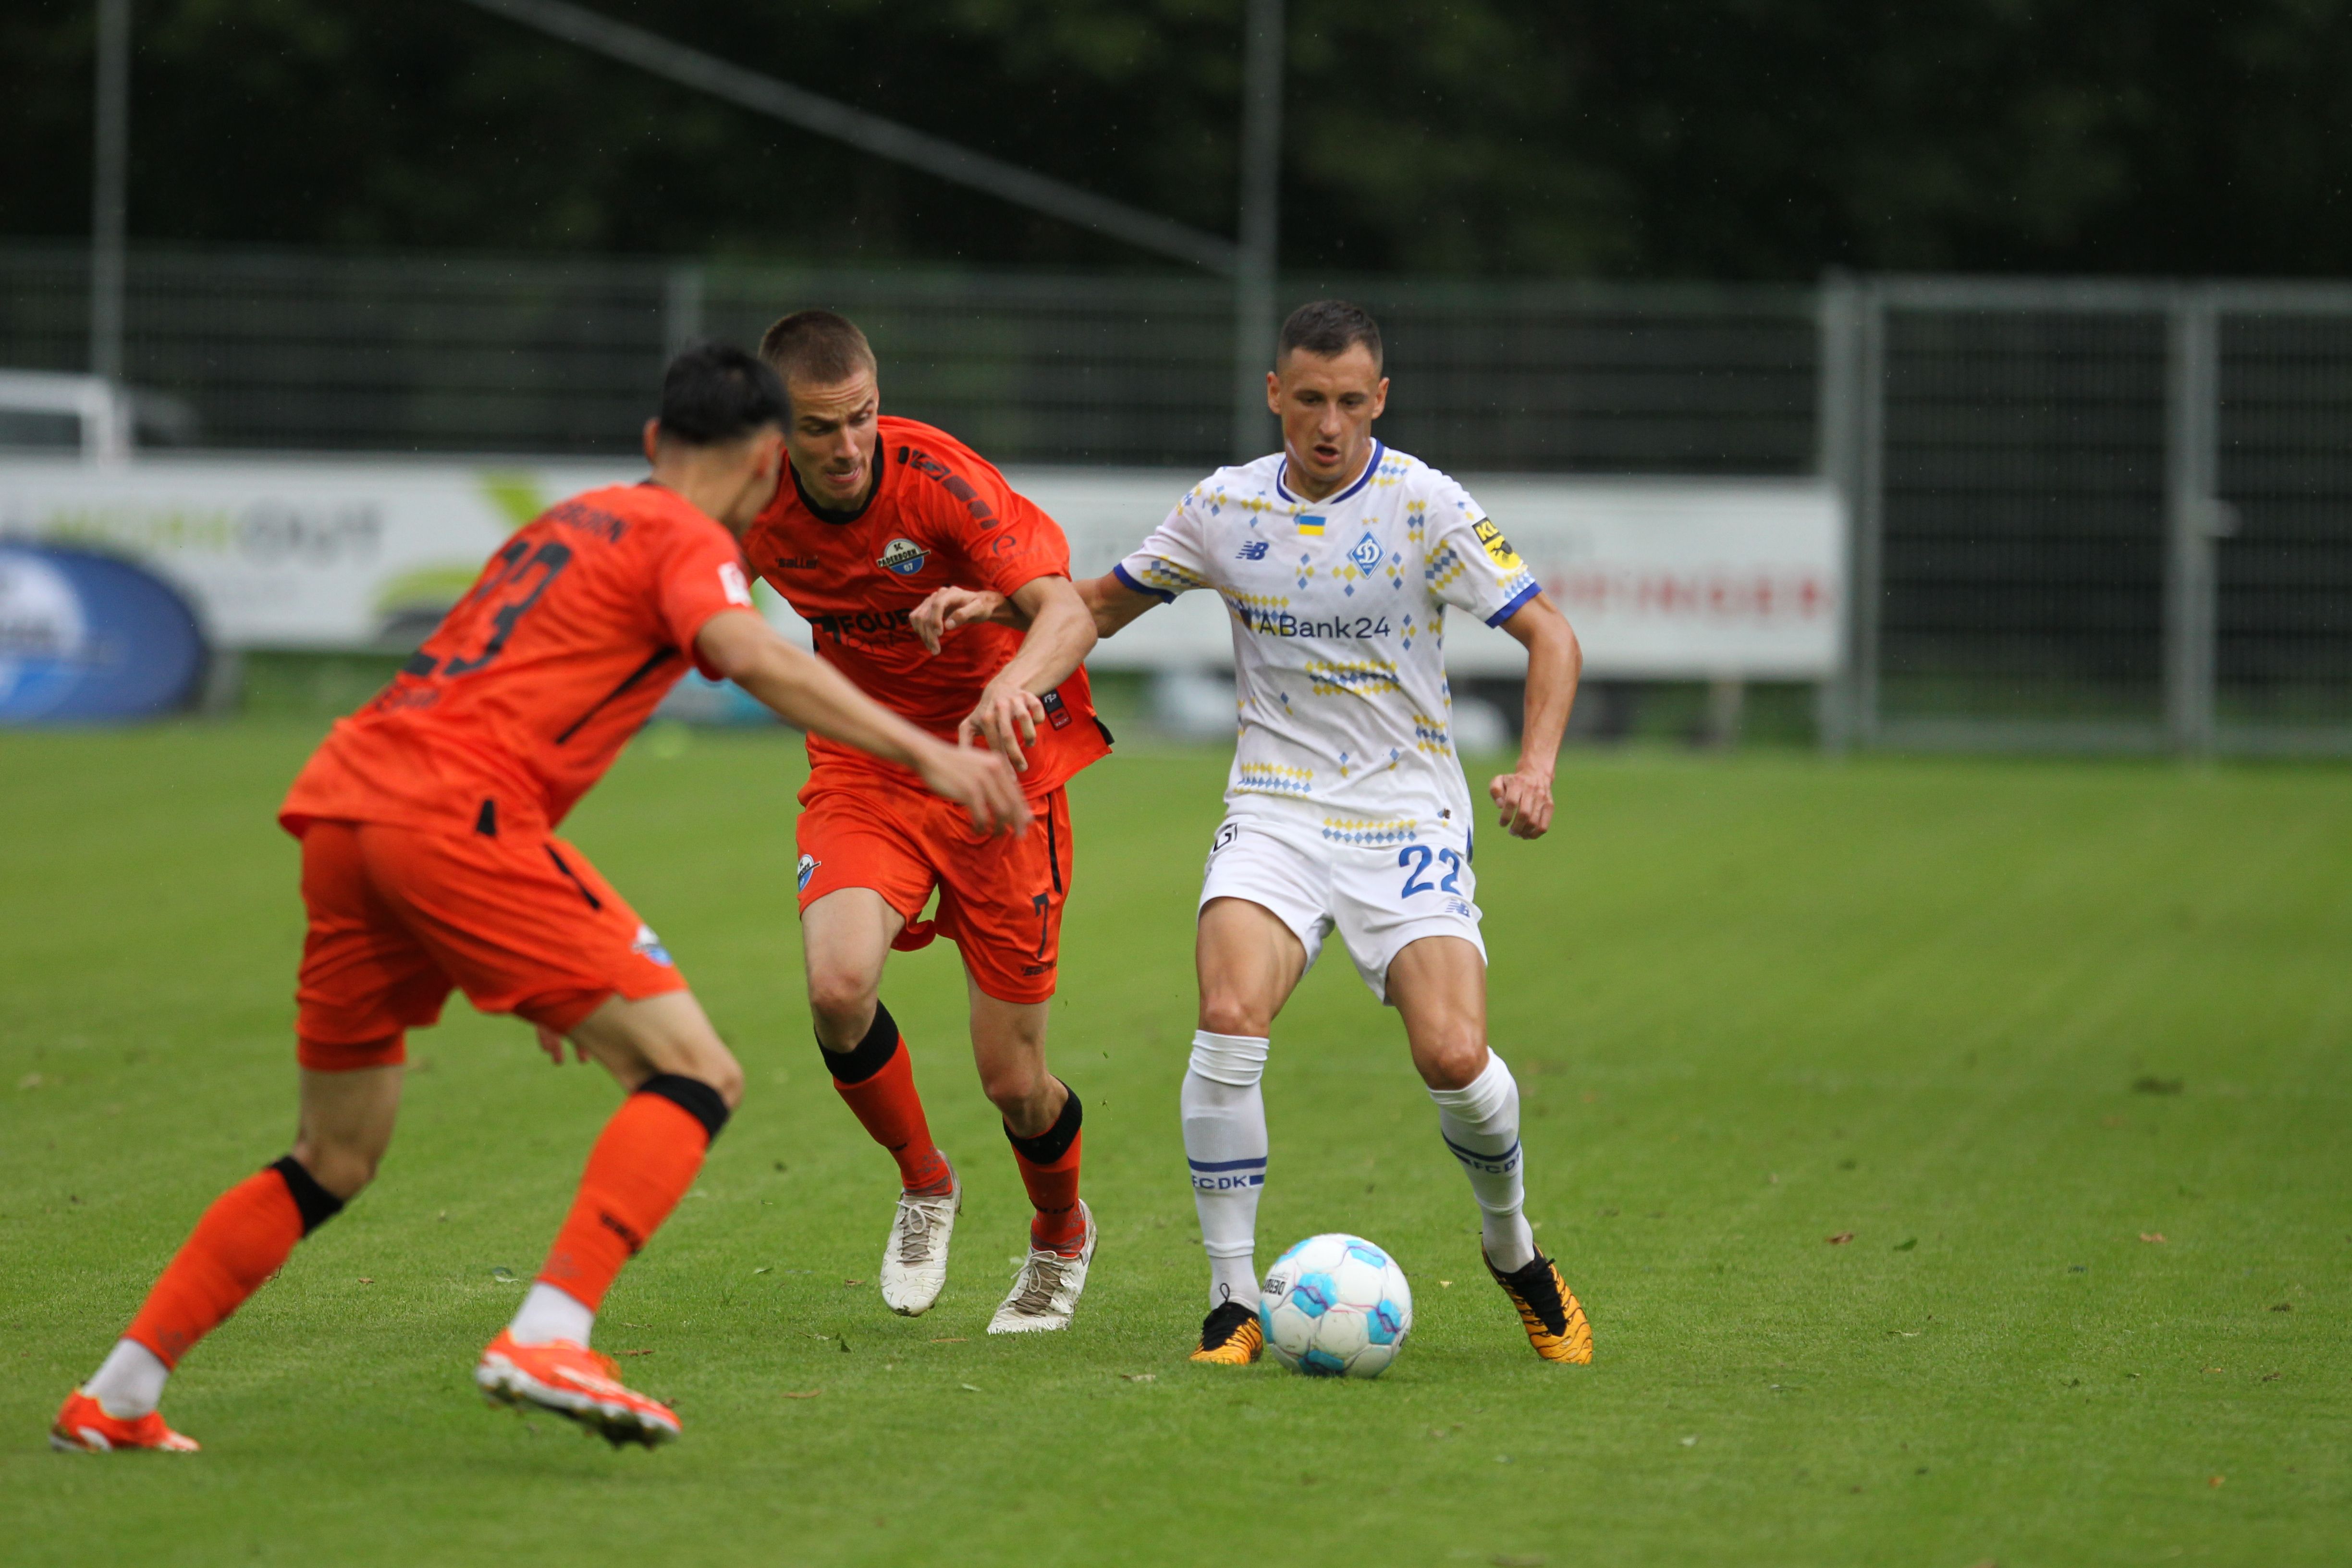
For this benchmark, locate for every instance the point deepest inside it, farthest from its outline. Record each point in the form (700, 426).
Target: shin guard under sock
(1480, 1124)
(876, 1079)
(242, 1239)
(1049, 1169)
(646, 1157)
(1226, 1145)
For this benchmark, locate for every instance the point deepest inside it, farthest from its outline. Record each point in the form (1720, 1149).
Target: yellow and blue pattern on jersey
(1444, 566)
(1370, 833)
(1165, 576)
(1430, 736)
(1351, 678)
(1273, 778)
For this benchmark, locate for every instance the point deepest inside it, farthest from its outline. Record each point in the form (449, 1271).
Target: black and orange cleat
(1231, 1336)
(83, 1426)
(1554, 1319)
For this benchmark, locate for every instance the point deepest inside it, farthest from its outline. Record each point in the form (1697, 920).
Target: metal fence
(2085, 515)
(440, 353)
(2102, 516)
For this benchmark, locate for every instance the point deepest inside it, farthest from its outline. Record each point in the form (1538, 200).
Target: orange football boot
(83, 1426)
(576, 1383)
(1231, 1336)
(1553, 1316)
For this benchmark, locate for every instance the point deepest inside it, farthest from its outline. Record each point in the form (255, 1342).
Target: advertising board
(1663, 578)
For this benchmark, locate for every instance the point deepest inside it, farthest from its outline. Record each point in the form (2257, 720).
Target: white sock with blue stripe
(1480, 1123)
(1224, 1142)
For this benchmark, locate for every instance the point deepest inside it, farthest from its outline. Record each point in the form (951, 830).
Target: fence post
(681, 311)
(2192, 513)
(1838, 433)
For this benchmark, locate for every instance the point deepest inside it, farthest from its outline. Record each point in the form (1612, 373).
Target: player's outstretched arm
(1111, 602)
(806, 691)
(1555, 659)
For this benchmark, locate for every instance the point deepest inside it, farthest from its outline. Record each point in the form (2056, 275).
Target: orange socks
(878, 1080)
(1049, 1169)
(646, 1159)
(240, 1242)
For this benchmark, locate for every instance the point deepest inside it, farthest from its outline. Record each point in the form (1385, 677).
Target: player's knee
(1452, 1063)
(843, 1002)
(725, 1074)
(343, 1169)
(1224, 1013)
(1016, 1089)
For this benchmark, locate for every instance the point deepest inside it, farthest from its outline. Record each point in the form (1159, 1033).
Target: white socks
(1225, 1142)
(548, 1314)
(130, 1382)
(1480, 1123)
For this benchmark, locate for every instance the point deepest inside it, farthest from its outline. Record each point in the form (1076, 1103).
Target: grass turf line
(1752, 1004)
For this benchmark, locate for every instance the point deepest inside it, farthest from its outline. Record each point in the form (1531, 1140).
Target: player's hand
(977, 781)
(552, 1044)
(950, 608)
(1524, 798)
(1006, 720)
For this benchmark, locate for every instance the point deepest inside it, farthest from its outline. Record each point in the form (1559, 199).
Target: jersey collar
(842, 519)
(1282, 473)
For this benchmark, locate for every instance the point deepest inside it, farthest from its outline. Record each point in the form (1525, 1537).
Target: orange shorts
(399, 917)
(1000, 897)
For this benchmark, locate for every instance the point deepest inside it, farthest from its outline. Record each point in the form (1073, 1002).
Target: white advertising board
(1663, 579)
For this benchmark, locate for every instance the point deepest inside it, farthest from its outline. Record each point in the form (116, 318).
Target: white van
(47, 411)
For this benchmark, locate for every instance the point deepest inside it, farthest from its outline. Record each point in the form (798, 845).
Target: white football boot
(914, 1258)
(1046, 1292)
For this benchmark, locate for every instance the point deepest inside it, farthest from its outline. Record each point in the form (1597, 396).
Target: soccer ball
(1336, 1306)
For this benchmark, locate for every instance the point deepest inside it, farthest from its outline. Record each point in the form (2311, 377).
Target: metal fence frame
(1853, 387)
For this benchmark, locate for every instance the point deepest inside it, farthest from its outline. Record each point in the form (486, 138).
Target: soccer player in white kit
(1346, 811)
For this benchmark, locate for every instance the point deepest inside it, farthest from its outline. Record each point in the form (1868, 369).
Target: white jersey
(1339, 621)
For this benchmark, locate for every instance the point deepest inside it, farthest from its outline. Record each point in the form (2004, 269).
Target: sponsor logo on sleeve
(648, 945)
(1497, 548)
(809, 863)
(1225, 834)
(903, 556)
(731, 582)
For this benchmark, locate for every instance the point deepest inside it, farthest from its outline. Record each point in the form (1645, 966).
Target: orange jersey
(529, 688)
(940, 514)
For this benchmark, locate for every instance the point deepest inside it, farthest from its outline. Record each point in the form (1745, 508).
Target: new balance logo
(1254, 550)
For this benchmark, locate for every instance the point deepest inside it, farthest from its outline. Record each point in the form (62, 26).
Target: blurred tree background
(1718, 138)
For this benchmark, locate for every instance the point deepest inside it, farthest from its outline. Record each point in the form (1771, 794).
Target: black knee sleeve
(1055, 1141)
(869, 1056)
(316, 1203)
(691, 1095)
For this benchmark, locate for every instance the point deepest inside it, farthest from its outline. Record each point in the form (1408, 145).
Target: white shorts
(1378, 896)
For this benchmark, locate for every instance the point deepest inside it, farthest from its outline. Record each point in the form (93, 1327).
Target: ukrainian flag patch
(1310, 527)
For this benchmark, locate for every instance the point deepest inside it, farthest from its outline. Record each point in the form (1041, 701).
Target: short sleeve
(1174, 559)
(701, 575)
(1008, 539)
(1470, 564)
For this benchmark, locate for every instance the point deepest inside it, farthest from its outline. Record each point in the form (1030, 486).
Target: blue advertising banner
(89, 640)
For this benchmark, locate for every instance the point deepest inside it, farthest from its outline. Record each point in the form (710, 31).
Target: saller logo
(1499, 549)
(903, 556)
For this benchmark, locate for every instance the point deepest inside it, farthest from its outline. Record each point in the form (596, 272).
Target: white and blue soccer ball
(1336, 1306)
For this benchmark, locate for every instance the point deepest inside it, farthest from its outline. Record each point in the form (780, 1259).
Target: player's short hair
(715, 393)
(1330, 328)
(818, 348)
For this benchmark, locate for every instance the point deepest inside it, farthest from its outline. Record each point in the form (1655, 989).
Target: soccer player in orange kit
(429, 861)
(874, 514)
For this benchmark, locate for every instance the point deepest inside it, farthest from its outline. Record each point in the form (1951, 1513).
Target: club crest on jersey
(903, 556)
(809, 864)
(1499, 549)
(648, 945)
(1367, 553)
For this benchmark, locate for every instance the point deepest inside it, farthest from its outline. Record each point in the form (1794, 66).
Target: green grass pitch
(2065, 1049)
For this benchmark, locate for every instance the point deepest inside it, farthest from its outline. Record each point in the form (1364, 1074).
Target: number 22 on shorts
(1415, 858)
